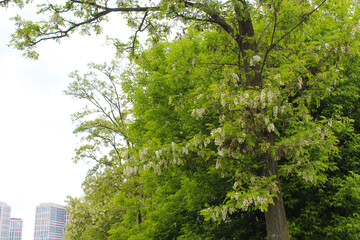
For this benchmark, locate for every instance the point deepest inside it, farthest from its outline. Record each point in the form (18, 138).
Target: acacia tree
(286, 55)
(103, 121)
(182, 70)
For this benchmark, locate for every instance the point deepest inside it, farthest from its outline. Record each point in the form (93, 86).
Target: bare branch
(139, 30)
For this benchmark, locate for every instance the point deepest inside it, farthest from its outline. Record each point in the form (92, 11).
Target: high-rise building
(16, 225)
(5, 211)
(50, 221)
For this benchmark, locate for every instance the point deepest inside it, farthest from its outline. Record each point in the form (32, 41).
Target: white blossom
(222, 119)
(193, 61)
(157, 169)
(300, 83)
(255, 59)
(330, 122)
(231, 210)
(275, 111)
(173, 146)
(223, 99)
(235, 78)
(143, 154)
(263, 99)
(343, 49)
(198, 113)
(236, 101)
(219, 138)
(185, 150)
(207, 142)
(327, 46)
(270, 96)
(224, 213)
(221, 151)
(158, 153)
(218, 164)
(354, 30)
(125, 154)
(271, 127)
(196, 142)
(266, 120)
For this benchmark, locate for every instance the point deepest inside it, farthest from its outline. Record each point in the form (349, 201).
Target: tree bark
(275, 216)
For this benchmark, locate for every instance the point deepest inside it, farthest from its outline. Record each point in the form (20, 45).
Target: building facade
(5, 211)
(50, 221)
(16, 226)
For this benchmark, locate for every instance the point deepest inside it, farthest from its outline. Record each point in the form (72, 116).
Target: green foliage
(197, 136)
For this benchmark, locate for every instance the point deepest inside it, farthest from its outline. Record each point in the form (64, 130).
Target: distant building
(50, 221)
(5, 211)
(16, 226)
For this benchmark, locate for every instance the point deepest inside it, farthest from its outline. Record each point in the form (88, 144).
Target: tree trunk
(139, 217)
(275, 217)
(276, 223)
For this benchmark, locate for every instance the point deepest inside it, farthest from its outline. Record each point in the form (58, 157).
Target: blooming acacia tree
(277, 58)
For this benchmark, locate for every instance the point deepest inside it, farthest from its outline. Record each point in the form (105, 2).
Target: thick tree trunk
(275, 217)
(276, 223)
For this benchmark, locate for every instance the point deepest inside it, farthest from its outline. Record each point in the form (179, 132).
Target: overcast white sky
(36, 140)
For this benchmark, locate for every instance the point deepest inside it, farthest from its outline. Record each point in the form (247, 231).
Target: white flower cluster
(157, 169)
(266, 98)
(235, 78)
(207, 141)
(258, 201)
(218, 164)
(185, 149)
(275, 111)
(223, 99)
(129, 170)
(177, 161)
(219, 135)
(343, 49)
(254, 60)
(198, 112)
(173, 146)
(307, 176)
(125, 154)
(327, 46)
(158, 154)
(300, 83)
(271, 127)
(354, 31)
(143, 154)
(263, 99)
(242, 99)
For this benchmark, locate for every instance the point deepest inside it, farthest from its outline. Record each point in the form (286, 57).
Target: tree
(283, 57)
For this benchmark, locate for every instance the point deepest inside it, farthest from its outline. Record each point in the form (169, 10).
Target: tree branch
(216, 18)
(139, 30)
(272, 45)
(297, 25)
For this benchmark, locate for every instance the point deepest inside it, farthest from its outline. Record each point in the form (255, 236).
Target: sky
(36, 140)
